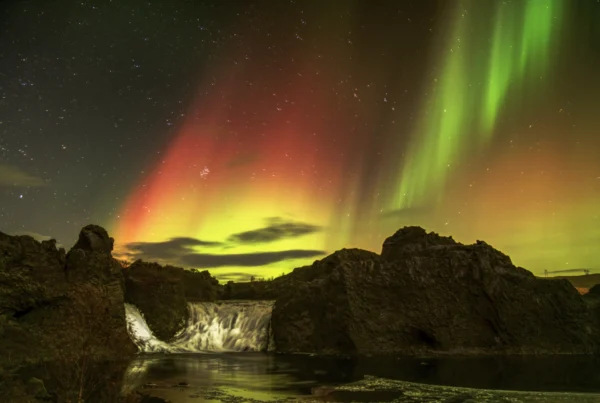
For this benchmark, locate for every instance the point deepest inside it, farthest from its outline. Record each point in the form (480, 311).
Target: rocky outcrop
(412, 241)
(49, 298)
(428, 293)
(64, 308)
(200, 286)
(158, 293)
(162, 293)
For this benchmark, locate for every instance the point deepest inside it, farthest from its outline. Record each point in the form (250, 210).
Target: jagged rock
(161, 293)
(57, 307)
(94, 238)
(411, 240)
(428, 293)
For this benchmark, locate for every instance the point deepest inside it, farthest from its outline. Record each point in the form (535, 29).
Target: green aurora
(477, 79)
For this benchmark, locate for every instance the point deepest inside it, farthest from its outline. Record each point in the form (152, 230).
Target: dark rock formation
(94, 238)
(162, 293)
(200, 286)
(253, 290)
(312, 312)
(271, 289)
(595, 291)
(61, 308)
(592, 299)
(49, 299)
(412, 241)
(427, 293)
(159, 293)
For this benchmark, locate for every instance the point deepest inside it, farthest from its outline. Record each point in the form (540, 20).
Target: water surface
(230, 377)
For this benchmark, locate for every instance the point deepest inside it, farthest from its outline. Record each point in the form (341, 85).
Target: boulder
(94, 238)
(428, 294)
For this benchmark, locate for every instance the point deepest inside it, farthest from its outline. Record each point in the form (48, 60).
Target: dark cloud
(13, 176)
(173, 248)
(275, 231)
(206, 260)
(181, 251)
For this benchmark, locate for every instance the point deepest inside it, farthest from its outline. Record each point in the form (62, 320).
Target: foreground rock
(162, 293)
(62, 309)
(424, 294)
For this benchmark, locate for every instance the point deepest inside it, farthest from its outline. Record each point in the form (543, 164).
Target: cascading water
(221, 326)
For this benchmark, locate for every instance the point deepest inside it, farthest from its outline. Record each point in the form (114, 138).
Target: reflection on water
(250, 375)
(264, 377)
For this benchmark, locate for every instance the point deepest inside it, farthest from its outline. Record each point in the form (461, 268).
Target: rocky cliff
(61, 308)
(426, 293)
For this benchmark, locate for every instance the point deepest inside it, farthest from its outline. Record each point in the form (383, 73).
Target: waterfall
(212, 326)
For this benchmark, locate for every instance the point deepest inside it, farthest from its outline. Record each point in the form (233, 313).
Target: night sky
(249, 138)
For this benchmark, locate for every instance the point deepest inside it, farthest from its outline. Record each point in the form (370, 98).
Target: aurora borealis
(250, 138)
(488, 58)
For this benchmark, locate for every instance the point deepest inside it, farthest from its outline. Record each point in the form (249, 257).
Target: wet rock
(428, 294)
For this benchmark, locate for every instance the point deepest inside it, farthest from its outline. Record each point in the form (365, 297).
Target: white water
(223, 326)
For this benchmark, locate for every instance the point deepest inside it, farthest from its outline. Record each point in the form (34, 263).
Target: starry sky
(249, 138)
